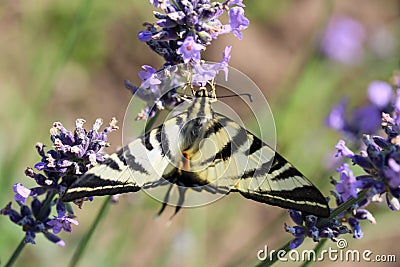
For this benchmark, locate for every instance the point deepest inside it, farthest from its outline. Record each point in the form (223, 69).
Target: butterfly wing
(140, 164)
(257, 171)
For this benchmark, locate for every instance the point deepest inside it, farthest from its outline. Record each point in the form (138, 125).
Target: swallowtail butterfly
(175, 153)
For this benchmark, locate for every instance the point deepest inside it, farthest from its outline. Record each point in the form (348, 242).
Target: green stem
(46, 204)
(16, 253)
(317, 248)
(342, 208)
(85, 240)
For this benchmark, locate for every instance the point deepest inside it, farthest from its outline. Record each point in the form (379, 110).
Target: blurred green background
(62, 60)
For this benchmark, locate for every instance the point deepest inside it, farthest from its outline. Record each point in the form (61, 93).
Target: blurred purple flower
(366, 119)
(343, 40)
(380, 93)
(336, 119)
(190, 50)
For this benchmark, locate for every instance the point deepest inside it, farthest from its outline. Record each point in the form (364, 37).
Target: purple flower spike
(237, 21)
(21, 193)
(380, 93)
(190, 50)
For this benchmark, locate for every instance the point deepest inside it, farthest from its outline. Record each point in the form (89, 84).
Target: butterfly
(202, 150)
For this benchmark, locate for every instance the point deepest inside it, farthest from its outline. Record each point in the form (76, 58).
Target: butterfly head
(203, 92)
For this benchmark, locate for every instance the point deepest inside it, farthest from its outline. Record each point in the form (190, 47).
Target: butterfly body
(202, 150)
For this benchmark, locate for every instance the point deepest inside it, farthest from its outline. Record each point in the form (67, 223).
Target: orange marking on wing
(186, 161)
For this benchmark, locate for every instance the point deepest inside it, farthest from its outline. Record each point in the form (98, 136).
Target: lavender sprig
(380, 161)
(180, 34)
(72, 154)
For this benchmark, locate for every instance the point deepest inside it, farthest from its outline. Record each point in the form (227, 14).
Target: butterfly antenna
(250, 96)
(165, 201)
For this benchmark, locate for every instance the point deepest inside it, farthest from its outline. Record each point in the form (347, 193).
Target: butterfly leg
(182, 190)
(166, 198)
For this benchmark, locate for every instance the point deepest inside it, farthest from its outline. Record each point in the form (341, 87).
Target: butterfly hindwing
(264, 175)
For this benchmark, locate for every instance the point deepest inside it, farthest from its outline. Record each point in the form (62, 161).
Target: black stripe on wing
(93, 185)
(231, 147)
(307, 199)
(146, 141)
(129, 160)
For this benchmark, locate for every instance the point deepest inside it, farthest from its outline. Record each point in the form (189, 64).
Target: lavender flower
(73, 153)
(62, 222)
(22, 193)
(307, 226)
(197, 20)
(179, 35)
(381, 163)
(348, 185)
(190, 50)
